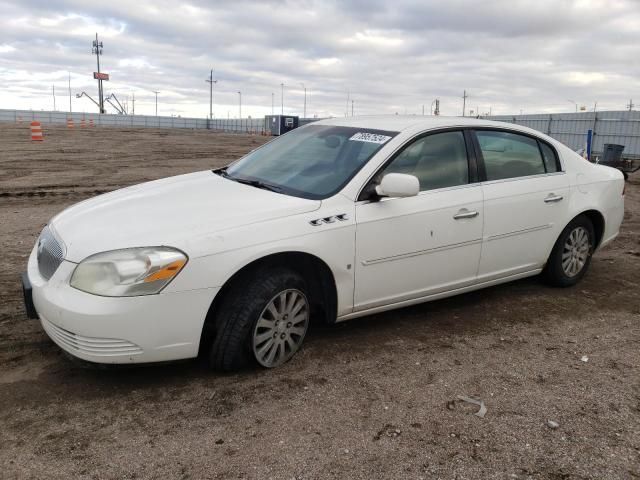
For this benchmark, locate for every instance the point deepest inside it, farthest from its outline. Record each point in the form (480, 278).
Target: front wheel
(571, 255)
(263, 320)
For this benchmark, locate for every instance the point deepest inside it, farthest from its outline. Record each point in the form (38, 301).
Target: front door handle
(464, 213)
(553, 198)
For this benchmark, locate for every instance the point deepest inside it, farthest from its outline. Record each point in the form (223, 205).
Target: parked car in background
(335, 220)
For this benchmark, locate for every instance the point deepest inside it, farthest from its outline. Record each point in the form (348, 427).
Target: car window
(549, 157)
(509, 155)
(438, 160)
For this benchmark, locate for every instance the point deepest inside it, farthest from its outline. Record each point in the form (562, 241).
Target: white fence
(236, 125)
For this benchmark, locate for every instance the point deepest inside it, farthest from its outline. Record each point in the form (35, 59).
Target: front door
(407, 248)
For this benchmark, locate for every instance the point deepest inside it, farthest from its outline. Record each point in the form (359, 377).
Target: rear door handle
(553, 198)
(464, 213)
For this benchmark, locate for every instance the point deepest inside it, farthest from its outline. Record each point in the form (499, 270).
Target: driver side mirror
(398, 185)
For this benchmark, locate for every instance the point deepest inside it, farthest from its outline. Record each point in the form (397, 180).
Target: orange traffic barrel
(91, 122)
(69, 122)
(36, 132)
(82, 123)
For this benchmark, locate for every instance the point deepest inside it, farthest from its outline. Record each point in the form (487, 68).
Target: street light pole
(572, 101)
(304, 114)
(272, 100)
(69, 91)
(156, 101)
(240, 104)
(53, 92)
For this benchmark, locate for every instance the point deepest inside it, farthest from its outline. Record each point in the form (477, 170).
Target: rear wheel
(571, 255)
(263, 320)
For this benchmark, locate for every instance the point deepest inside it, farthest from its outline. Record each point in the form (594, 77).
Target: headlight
(129, 272)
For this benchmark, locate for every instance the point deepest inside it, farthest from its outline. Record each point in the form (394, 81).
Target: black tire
(239, 312)
(554, 273)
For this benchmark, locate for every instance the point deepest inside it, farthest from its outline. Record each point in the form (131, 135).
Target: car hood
(183, 212)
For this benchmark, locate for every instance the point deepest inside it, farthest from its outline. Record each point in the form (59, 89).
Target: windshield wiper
(256, 183)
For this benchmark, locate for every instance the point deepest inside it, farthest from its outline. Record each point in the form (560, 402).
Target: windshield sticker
(370, 137)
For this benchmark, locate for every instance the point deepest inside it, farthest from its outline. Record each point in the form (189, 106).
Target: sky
(369, 56)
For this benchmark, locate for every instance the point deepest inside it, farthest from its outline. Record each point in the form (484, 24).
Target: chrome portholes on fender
(331, 219)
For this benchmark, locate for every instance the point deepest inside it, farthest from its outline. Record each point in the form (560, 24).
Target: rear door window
(509, 155)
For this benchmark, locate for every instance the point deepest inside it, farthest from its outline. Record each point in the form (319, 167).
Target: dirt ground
(370, 398)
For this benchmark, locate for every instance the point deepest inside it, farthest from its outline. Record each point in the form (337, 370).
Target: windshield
(314, 162)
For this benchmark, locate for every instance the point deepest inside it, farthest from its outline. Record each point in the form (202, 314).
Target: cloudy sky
(387, 56)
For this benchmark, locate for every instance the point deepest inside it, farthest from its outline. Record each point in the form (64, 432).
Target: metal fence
(233, 125)
(619, 127)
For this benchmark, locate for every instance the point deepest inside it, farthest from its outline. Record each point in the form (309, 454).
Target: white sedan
(335, 220)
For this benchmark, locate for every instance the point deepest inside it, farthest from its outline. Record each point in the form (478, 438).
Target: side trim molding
(421, 252)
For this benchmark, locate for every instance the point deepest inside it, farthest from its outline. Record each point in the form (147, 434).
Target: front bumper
(151, 328)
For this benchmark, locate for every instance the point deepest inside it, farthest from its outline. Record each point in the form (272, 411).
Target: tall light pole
(97, 49)
(211, 81)
(156, 92)
(239, 104)
(282, 98)
(304, 114)
(572, 101)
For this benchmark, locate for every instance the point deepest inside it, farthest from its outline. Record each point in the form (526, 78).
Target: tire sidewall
(555, 272)
(241, 311)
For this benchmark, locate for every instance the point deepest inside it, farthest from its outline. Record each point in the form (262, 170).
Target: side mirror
(398, 185)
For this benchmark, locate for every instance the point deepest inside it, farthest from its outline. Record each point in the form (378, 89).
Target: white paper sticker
(370, 137)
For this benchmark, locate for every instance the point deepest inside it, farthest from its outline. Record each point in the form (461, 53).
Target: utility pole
(631, 105)
(352, 108)
(304, 114)
(156, 101)
(273, 95)
(282, 98)
(239, 104)
(133, 103)
(53, 92)
(464, 101)
(97, 49)
(69, 91)
(346, 113)
(211, 81)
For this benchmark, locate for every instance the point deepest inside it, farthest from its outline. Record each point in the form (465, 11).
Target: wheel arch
(598, 222)
(321, 280)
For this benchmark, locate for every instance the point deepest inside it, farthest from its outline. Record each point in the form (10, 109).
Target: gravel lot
(371, 398)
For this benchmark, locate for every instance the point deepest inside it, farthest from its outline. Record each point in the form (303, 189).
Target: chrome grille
(50, 253)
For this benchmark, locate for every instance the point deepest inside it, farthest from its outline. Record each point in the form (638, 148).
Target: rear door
(525, 202)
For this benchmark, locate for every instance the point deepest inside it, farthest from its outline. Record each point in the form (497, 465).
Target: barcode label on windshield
(370, 137)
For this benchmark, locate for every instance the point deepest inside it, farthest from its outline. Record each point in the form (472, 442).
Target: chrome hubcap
(281, 328)
(575, 252)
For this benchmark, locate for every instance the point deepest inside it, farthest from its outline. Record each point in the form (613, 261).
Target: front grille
(50, 253)
(100, 347)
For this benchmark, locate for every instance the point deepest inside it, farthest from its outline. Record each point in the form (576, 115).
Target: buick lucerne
(334, 220)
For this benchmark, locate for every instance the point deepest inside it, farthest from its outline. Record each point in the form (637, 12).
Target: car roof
(399, 123)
